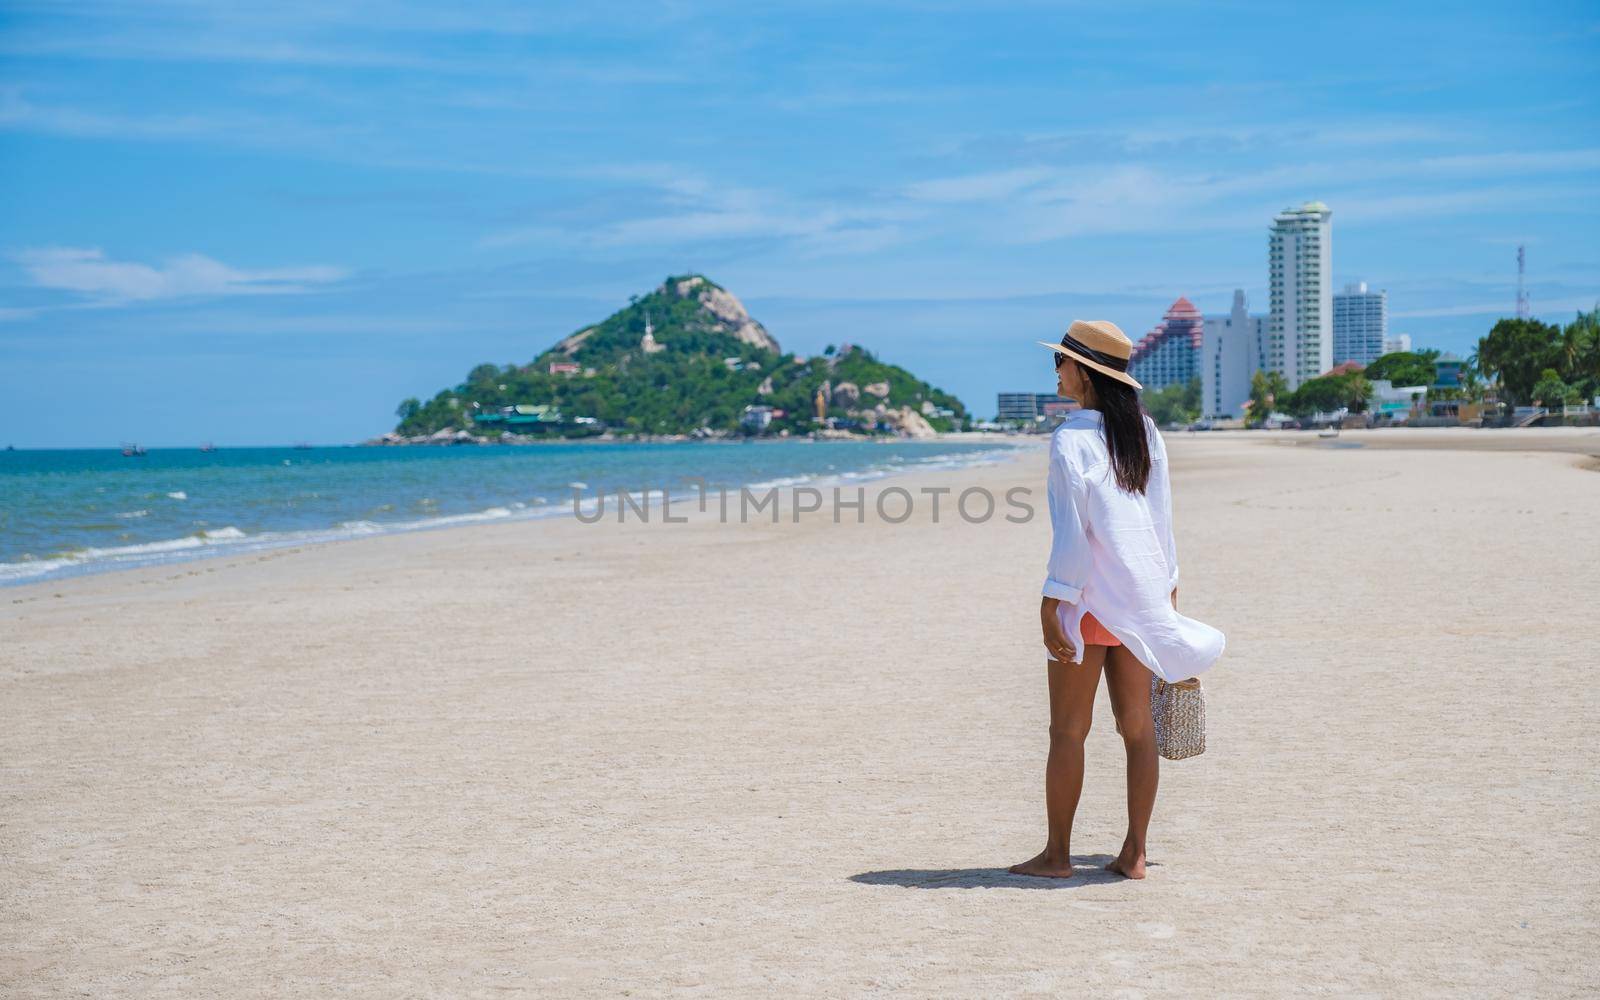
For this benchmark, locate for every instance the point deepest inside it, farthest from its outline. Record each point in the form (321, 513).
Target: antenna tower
(1522, 291)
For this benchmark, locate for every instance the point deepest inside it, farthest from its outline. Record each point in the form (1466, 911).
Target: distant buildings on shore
(1308, 330)
(1360, 324)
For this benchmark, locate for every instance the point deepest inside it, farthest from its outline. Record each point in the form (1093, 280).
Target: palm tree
(1586, 364)
(1570, 350)
(1357, 390)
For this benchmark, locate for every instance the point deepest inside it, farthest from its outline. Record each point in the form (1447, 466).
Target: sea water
(67, 512)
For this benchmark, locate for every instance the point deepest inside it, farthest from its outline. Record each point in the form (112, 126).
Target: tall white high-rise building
(1360, 324)
(1233, 348)
(1300, 274)
(1397, 343)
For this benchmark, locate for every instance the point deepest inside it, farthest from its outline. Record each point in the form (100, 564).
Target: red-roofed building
(1345, 368)
(1170, 353)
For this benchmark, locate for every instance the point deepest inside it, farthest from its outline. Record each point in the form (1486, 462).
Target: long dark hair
(1122, 416)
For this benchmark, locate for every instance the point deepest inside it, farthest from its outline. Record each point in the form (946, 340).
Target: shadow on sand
(1087, 869)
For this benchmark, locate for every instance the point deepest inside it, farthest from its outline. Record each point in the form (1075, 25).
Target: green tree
(1551, 391)
(1471, 381)
(1404, 367)
(1357, 390)
(1178, 403)
(1517, 352)
(1266, 388)
(1579, 353)
(1326, 394)
(408, 409)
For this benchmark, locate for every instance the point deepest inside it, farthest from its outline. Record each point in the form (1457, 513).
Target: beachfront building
(756, 419)
(520, 418)
(1447, 369)
(1027, 407)
(1360, 324)
(1394, 403)
(1232, 349)
(1054, 408)
(1021, 407)
(1400, 343)
(1299, 272)
(1170, 353)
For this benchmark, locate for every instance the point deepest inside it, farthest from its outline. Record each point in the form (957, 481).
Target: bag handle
(1191, 684)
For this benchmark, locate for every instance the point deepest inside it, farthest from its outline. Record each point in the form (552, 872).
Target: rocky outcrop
(909, 423)
(728, 311)
(569, 345)
(879, 389)
(443, 436)
(846, 395)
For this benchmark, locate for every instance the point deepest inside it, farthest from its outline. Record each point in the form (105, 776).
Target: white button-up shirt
(1112, 553)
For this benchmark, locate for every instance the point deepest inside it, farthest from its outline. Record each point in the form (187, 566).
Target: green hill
(684, 359)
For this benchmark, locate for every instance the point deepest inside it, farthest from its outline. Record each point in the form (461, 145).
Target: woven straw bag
(1179, 711)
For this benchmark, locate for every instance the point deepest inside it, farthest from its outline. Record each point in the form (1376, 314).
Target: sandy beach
(706, 759)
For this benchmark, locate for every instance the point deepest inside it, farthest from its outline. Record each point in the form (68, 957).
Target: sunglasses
(1059, 359)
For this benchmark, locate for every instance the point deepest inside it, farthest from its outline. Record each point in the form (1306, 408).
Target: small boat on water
(133, 451)
(302, 446)
(208, 447)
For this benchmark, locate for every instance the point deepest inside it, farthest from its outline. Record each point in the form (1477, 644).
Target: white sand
(718, 760)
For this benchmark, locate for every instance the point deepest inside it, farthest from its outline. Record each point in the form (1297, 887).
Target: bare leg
(1128, 683)
(1072, 687)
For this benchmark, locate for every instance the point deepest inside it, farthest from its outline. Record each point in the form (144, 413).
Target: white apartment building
(1360, 324)
(1232, 349)
(1299, 272)
(1399, 343)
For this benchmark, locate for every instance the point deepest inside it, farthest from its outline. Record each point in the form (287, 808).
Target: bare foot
(1045, 865)
(1128, 864)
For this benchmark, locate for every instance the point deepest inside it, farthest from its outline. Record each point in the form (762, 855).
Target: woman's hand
(1055, 637)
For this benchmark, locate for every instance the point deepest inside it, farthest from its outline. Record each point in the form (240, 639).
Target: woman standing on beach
(1111, 588)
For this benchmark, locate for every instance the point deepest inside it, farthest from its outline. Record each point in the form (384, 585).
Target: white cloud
(88, 271)
(685, 208)
(977, 187)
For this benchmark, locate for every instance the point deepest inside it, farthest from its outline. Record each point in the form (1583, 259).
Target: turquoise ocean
(81, 511)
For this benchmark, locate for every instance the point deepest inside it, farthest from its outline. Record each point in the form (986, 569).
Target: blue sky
(272, 223)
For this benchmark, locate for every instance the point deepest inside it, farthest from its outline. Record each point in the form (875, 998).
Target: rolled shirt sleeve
(1068, 568)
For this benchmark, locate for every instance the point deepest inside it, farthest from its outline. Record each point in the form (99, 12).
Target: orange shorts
(1096, 634)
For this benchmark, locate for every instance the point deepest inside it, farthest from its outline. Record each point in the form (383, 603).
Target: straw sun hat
(1097, 344)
